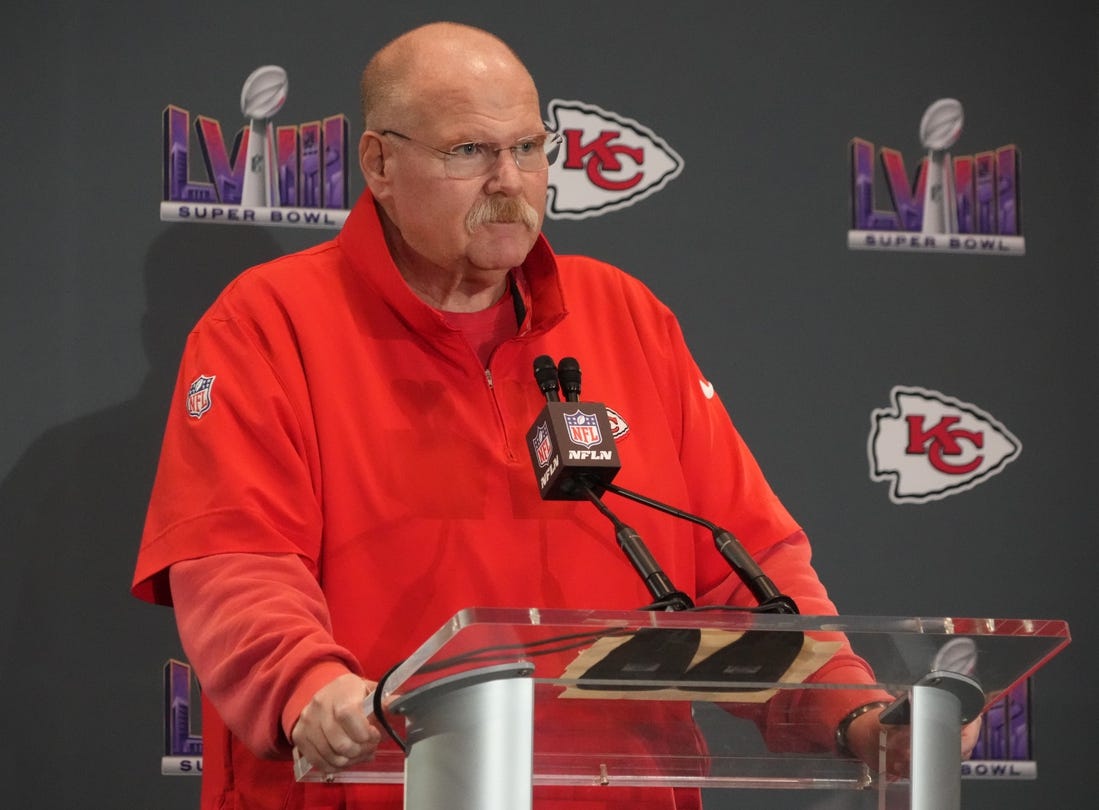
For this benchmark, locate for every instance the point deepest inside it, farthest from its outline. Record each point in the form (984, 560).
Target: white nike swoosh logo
(707, 388)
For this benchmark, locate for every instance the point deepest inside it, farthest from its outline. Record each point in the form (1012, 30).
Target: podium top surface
(900, 651)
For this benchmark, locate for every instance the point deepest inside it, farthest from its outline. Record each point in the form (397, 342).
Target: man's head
(467, 218)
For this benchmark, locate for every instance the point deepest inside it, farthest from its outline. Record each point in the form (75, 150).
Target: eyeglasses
(466, 160)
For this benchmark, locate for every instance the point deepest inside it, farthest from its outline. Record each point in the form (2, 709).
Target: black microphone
(571, 443)
(568, 370)
(545, 373)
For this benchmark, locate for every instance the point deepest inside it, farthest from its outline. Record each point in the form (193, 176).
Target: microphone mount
(665, 595)
(762, 588)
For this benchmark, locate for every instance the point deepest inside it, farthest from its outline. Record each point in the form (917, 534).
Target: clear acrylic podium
(500, 699)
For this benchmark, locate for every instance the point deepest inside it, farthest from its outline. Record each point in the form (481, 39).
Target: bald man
(345, 465)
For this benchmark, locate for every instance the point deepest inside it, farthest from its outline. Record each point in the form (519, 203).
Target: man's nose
(505, 176)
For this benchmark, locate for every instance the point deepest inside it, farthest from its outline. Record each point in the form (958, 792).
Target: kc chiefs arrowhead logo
(930, 446)
(609, 161)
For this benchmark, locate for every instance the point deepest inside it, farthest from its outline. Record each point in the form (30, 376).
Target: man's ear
(372, 163)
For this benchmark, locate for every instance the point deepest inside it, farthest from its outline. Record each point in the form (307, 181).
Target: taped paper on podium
(695, 664)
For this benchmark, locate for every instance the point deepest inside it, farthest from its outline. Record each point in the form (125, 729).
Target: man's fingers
(970, 733)
(331, 756)
(333, 731)
(350, 740)
(333, 744)
(356, 726)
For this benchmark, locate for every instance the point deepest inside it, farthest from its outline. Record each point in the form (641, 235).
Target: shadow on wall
(81, 659)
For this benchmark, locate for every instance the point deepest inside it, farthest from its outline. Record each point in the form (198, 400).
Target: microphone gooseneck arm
(665, 595)
(762, 588)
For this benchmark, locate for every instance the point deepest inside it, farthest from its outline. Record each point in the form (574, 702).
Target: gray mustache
(502, 209)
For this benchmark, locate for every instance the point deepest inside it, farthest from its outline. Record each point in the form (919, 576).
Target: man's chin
(501, 246)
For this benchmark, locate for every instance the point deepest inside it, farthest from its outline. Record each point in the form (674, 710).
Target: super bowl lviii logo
(291, 175)
(954, 203)
(609, 162)
(929, 446)
(182, 747)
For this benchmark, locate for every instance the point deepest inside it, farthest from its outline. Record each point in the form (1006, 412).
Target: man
(345, 466)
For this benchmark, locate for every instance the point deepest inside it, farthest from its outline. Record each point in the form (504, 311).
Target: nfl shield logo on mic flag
(543, 447)
(583, 428)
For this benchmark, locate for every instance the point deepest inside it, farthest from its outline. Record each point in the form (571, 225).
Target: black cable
(379, 711)
(484, 655)
(497, 652)
(733, 608)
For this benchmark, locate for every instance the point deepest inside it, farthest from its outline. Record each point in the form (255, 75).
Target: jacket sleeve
(239, 468)
(256, 627)
(234, 526)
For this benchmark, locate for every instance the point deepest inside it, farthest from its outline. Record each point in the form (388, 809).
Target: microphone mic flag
(570, 443)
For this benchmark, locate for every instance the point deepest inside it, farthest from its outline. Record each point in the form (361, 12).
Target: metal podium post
(471, 740)
(940, 704)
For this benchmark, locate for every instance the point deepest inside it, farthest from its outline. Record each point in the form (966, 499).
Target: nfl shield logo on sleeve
(198, 396)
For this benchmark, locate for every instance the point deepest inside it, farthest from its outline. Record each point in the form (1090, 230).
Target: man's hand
(333, 731)
(862, 739)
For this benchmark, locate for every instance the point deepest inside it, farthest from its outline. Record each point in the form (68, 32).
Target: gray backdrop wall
(803, 337)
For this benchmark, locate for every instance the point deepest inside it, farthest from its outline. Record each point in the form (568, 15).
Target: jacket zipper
(508, 451)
